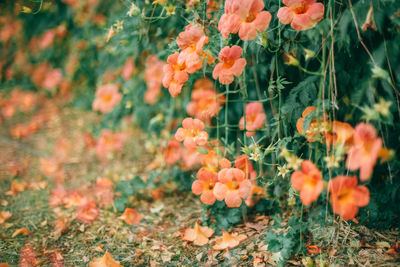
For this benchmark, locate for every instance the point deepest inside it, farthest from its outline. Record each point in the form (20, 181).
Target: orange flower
(16, 187)
(107, 97)
(204, 186)
(173, 152)
(232, 186)
(191, 42)
(75, 199)
(199, 235)
(255, 118)
(363, 154)
(191, 159)
(245, 17)
(308, 181)
(50, 167)
(4, 216)
(301, 14)
(316, 128)
(243, 163)
(175, 75)
(57, 195)
(108, 143)
(128, 69)
(53, 79)
(104, 192)
(228, 241)
(87, 213)
(347, 196)
(255, 195)
(47, 38)
(204, 104)
(153, 77)
(105, 261)
(213, 162)
(230, 64)
(342, 133)
(131, 216)
(192, 133)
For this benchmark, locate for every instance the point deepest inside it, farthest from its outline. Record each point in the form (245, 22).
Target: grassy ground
(157, 239)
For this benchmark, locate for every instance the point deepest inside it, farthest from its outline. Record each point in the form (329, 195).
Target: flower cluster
(205, 100)
(362, 146)
(180, 64)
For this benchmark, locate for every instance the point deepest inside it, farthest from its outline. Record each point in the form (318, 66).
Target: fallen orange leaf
(21, 231)
(131, 216)
(27, 257)
(228, 240)
(87, 213)
(16, 187)
(105, 261)
(4, 216)
(198, 235)
(3, 264)
(38, 185)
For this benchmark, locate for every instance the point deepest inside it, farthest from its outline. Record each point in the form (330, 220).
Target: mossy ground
(156, 240)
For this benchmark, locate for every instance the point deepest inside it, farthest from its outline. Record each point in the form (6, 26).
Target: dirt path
(157, 239)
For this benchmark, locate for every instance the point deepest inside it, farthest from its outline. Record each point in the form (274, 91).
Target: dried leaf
(131, 216)
(38, 185)
(21, 231)
(57, 259)
(228, 240)
(105, 261)
(27, 257)
(87, 213)
(4, 216)
(16, 187)
(198, 235)
(382, 244)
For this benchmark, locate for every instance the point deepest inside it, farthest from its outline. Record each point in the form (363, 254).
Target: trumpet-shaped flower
(175, 75)
(232, 186)
(153, 77)
(109, 142)
(191, 159)
(191, 42)
(213, 162)
(107, 97)
(173, 152)
(255, 118)
(192, 133)
(204, 104)
(363, 154)
(230, 64)
(245, 17)
(301, 14)
(317, 127)
(243, 163)
(128, 69)
(341, 133)
(204, 186)
(308, 181)
(347, 196)
(53, 79)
